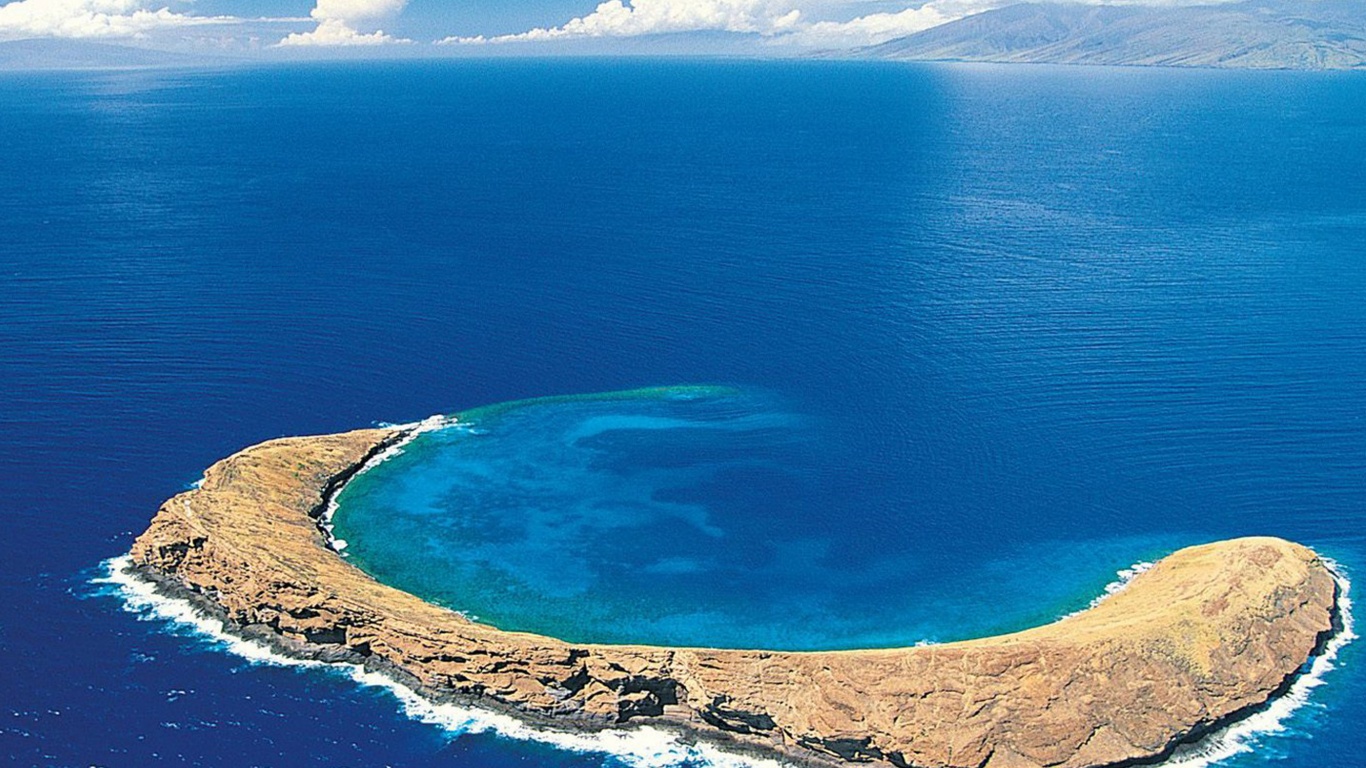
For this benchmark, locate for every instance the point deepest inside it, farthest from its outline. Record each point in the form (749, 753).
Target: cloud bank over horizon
(92, 19)
(764, 25)
(340, 23)
(615, 18)
(777, 22)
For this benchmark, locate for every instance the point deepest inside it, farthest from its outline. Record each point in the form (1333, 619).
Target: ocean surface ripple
(1023, 327)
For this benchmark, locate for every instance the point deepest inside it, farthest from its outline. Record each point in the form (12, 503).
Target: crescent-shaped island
(1206, 637)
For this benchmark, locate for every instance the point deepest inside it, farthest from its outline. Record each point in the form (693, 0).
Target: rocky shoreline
(1209, 635)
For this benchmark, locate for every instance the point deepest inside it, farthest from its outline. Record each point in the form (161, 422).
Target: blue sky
(485, 26)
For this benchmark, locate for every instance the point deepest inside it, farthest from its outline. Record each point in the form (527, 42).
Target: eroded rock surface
(1203, 637)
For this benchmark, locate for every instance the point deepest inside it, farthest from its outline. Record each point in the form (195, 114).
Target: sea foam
(413, 429)
(1125, 577)
(1244, 735)
(640, 747)
(649, 747)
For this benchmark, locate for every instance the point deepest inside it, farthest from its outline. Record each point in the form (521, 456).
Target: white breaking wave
(1244, 735)
(141, 598)
(429, 424)
(1126, 577)
(641, 747)
(648, 747)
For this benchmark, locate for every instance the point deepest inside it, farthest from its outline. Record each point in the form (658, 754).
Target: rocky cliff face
(1205, 636)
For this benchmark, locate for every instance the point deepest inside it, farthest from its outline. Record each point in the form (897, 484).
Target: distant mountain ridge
(1252, 34)
(44, 53)
(1260, 34)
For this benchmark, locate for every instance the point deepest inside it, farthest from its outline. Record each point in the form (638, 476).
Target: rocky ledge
(1208, 635)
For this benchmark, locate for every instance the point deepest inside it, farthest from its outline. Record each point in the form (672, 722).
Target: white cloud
(881, 27)
(340, 22)
(334, 32)
(874, 28)
(92, 18)
(781, 22)
(615, 18)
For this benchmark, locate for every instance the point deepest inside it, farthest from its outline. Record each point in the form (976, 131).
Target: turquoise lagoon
(689, 515)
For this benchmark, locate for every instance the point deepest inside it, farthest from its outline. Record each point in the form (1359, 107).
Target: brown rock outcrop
(1207, 635)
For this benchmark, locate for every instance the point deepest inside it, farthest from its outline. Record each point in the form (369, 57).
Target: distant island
(1258, 34)
(54, 54)
(1209, 635)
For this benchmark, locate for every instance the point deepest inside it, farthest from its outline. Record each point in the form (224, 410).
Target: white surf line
(1126, 577)
(640, 746)
(649, 747)
(414, 429)
(1244, 736)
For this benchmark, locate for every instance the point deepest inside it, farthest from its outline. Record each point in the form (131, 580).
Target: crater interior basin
(697, 516)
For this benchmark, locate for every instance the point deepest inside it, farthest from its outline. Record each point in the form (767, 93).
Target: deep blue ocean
(941, 350)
